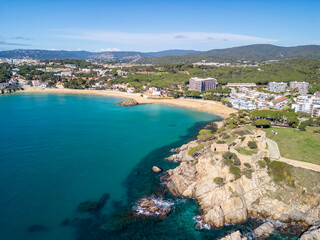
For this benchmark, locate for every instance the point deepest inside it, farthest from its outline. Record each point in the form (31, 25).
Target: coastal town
(93, 75)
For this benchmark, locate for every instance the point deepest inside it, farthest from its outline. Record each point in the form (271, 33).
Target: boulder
(312, 233)
(264, 230)
(152, 207)
(129, 103)
(156, 169)
(234, 236)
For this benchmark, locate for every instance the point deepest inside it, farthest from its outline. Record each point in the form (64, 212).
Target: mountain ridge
(255, 52)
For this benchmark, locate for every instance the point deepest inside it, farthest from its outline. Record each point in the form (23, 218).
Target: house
(4, 85)
(36, 83)
(280, 102)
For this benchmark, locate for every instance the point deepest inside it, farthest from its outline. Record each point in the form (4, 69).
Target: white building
(277, 86)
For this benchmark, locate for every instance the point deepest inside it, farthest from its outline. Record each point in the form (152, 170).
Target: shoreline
(199, 105)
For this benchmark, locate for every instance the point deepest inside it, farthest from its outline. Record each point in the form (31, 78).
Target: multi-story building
(241, 85)
(315, 111)
(302, 87)
(277, 86)
(202, 84)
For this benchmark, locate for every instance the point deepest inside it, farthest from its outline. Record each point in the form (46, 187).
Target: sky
(140, 25)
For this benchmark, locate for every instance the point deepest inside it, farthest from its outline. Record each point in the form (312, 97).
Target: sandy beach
(199, 105)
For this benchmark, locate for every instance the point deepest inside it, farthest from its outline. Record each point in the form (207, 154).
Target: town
(17, 74)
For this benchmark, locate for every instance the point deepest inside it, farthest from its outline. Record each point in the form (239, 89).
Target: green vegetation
(220, 142)
(219, 180)
(192, 151)
(5, 71)
(262, 163)
(231, 158)
(252, 145)
(297, 145)
(262, 123)
(244, 151)
(278, 117)
(247, 165)
(281, 172)
(205, 134)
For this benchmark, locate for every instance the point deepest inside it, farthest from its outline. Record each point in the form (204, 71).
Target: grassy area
(297, 145)
(244, 151)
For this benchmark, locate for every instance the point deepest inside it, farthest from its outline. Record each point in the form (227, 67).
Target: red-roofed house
(280, 102)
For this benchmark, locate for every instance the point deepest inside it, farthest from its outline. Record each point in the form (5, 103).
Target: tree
(262, 123)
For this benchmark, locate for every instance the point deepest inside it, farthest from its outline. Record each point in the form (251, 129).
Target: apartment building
(277, 86)
(202, 84)
(301, 87)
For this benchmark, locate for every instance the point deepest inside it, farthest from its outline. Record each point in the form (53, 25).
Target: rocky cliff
(232, 178)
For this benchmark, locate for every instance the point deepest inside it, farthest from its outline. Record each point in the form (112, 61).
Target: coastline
(198, 105)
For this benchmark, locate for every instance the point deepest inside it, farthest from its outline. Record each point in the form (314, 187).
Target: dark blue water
(58, 151)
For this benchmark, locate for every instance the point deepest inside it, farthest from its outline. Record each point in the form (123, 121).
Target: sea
(72, 167)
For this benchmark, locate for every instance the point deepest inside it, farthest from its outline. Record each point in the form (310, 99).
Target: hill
(53, 54)
(257, 52)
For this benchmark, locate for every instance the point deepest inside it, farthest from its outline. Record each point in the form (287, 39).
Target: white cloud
(108, 50)
(191, 40)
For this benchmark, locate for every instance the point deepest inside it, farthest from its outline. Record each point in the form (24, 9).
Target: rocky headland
(231, 176)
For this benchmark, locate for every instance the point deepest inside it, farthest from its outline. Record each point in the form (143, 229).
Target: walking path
(275, 155)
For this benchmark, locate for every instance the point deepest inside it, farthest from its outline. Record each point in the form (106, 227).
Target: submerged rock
(152, 207)
(156, 169)
(91, 206)
(37, 228)
(264, 230)
(312, 233)
(128, 103)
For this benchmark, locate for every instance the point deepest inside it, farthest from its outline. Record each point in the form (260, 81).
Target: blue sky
(156, 25)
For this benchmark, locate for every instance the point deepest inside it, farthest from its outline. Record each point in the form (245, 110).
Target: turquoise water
(58, 151)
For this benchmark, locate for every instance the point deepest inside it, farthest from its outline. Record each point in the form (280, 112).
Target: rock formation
(156, 169)
(129, 103)
(313, 232)
(152, 207)
(230, 186)
(234, 236)
(264, 230)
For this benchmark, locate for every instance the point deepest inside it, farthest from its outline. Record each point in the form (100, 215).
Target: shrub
(242, 139)
(235, 171)
(262, 164)
(205, 134)
(247, 165)
(192, 151)
(221, 129)
(220, 142)
(232, 158)
(218, 180)
(236, 161)
(248, 173)
(267, 160)
(252, 144)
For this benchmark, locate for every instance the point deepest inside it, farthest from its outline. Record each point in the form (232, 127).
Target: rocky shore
(232, 181)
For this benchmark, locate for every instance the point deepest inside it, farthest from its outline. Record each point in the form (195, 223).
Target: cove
(61, 150)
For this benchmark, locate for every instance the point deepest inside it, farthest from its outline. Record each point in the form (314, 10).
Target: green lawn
(296, 144)
(244, 151)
